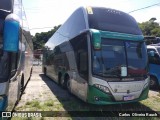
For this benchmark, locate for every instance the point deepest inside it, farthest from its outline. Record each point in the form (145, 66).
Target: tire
(62, 83)
(44, 70)
(22, 85)
(31, 71)
(68, 85)
(153, 83)
(18, 93)
(59, 78)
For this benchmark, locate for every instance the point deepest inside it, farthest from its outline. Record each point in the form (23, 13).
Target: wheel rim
(152, 82)
(62, 81)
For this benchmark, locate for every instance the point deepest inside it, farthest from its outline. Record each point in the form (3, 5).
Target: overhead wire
(128, 12)
(144, 7)
(40, 28)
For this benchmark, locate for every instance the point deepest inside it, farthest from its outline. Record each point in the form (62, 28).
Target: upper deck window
(112, 20)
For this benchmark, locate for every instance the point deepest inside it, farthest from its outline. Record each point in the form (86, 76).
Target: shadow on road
(72, 103)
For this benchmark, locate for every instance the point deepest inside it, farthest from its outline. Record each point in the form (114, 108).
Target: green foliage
(150, 28)
(41, 38)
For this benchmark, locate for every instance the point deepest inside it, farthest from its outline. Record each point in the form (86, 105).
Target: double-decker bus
(99, 55)
(15, 53)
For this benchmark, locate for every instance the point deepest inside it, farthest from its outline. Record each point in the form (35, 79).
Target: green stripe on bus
(107, 99)
(94, 92)
(123, 36)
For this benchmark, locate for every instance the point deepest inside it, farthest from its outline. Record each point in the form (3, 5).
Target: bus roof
(104, 19)
(108, 19)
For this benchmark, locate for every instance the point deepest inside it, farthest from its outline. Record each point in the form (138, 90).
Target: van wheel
(153, 83)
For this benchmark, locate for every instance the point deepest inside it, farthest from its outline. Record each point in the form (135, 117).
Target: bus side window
(83, 56)
(83, 64)
(13, 60)
(157, 59)
(153, 59)
(80, 47)
(4, 67)
(1, 42)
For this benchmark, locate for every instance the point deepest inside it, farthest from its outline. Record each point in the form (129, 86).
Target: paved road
(42, 94)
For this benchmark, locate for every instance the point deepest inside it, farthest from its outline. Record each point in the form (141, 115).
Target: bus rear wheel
(63, 83)
(153, 83)
(68, 85)
(44, 70)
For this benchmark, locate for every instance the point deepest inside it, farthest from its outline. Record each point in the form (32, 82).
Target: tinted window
(113, 20)
(6, 5)
(108, 60)
(1, 33)
(117, 53)
(13, 62)
(153, 59)
(4, 67)
(136, 56)
(148, 50)
(80, 47)
(158, 49)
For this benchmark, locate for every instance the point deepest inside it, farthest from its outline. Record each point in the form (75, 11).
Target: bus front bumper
(96, 96)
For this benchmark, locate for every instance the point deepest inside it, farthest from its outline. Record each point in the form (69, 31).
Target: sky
(49, 13)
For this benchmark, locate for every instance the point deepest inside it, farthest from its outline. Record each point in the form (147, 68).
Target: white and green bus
(99, 55)
(15, 53)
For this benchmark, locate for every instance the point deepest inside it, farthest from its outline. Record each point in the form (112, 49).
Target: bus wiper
(111, 74)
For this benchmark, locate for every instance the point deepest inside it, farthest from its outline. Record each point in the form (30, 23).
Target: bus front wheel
(153, 83)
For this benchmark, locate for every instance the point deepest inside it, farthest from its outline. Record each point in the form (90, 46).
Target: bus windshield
(115, 54)
(113, 20)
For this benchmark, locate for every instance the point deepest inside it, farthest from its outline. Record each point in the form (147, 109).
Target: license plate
(130, 97)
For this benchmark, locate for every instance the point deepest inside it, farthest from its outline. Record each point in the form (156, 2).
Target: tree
(152, 19)
(41, 38)
(150, 28)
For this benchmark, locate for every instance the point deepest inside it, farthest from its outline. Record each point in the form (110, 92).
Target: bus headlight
(102, 88)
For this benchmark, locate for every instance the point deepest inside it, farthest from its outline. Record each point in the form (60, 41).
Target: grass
(49, 103)
(35, 105)
(152, 102)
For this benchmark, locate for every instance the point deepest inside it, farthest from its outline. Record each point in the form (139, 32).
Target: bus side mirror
(11, 33)
(96, 39)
